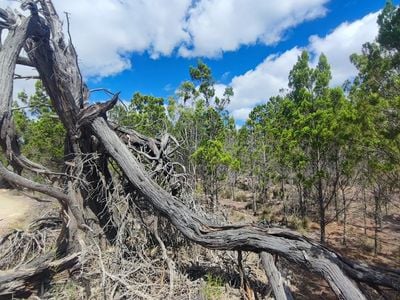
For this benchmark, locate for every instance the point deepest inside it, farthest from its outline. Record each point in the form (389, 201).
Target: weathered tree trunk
(21, 283)
(281, 290)
(42, 37)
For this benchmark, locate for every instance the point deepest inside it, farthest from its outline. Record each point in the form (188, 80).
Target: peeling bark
(89, 132)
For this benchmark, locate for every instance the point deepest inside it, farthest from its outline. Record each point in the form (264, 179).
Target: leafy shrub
(299, 224)
(213, 287)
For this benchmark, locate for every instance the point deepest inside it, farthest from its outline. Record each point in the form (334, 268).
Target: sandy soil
(16, 211)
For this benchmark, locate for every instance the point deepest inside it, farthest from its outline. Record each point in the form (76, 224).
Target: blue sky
(161, 77)
(148, 46)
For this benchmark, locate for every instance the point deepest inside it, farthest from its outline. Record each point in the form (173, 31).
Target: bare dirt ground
(360, 239)
(359, 246)
(16, 210)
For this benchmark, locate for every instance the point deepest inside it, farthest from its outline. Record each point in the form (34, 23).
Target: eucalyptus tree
(144, 113)
(258, 149)
(104, 168)
(306, 127)
(214, 162)
(376, 94)
(202, 124)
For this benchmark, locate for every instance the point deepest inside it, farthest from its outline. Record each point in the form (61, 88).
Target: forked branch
(88, 131)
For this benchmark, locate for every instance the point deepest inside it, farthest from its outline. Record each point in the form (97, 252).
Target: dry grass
(138, 266)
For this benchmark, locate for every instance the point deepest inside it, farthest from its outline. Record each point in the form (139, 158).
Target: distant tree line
(316, 148)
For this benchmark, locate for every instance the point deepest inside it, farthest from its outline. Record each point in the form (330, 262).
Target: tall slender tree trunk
(344, 202)
(216, 188)
(233, 185)
(300, 191)
(365, 210)
(57, 66)
(321, 203)
(254, 198)
(377, 218)
(337, 212)
(282, 197)
(264, 192)
(335, 191)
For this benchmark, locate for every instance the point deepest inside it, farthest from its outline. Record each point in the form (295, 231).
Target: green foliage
(201, 88)
(41, 133)
(202, 124)
(375, 93)
(308, 136)
(389, 27)
(44, 142)
(199, 121)
(146, 114)
(254, 140)
(213, 156)
(39, 102)
(213, 289)
(213, 164)
(186, 91)
(201, 75)
(20, 116)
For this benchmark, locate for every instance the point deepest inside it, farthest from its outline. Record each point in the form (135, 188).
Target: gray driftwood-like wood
(280, 289)
(41, 35)
(288, 244)
(21, 283)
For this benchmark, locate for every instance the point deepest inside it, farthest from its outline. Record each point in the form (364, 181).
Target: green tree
(146, 114)
(200, 116)
(20, 115)
(375, 92)
(389, 27)
(305, 129)
(201, 75)
(40, 130)
(214, 163)
(258, 152)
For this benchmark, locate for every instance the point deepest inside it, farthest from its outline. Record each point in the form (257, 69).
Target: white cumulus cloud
(217, 26)
(258, 85)
(107, 32)
(345, 40)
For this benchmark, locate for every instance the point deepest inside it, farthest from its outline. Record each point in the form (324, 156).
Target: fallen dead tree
(93, 146)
